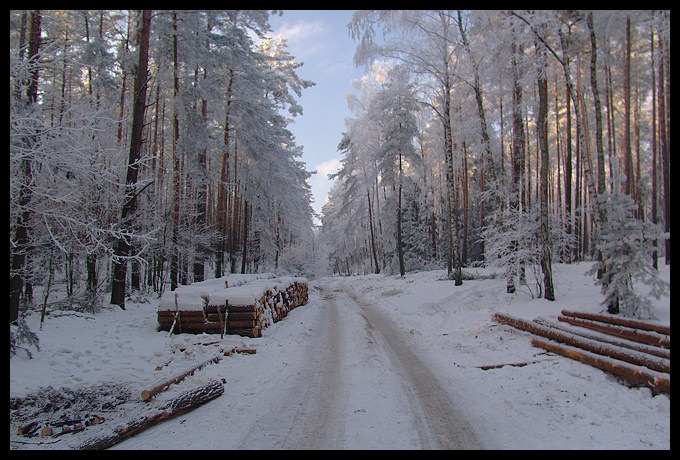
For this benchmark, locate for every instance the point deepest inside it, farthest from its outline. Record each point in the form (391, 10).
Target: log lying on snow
(641, 347)
(594, 346)
(649, 338)
(148, 394)
(185, 402)
(635, 324)
(637, 375)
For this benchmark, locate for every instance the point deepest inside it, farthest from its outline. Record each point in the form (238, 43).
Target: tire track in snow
(438, 421)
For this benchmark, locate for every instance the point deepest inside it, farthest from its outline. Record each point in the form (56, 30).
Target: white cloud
(300, 31)
(319, 182)
(328, 166)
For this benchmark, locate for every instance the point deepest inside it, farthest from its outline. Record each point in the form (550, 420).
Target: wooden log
(635, 374)
(185, 314)
(216, 308)
(148, 394)
(650, 338)
(641, 347)
(242, 324)
(213, 328)
(192, 320)
(635, 324)
(192, 328)
(249, 351)
(594, 346)
(498, 366)
(222, 321)
(246, 315)
(246, 332)
(242, 308)
(185, 402)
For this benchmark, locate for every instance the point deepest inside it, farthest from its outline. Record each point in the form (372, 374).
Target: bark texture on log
(188, 400)
(594, 346)
(148, 394)
(641, 347)
(650, 338)
(636, 324)
(657, 381)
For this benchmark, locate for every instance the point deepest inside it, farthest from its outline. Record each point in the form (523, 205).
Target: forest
(152, 149)
(515, 139)
(150, 140)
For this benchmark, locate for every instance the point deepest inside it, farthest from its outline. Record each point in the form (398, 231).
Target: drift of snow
(550, 403)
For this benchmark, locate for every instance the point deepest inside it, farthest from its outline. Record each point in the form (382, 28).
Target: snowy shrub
(627, 257)
(514, 246)
(20, 333)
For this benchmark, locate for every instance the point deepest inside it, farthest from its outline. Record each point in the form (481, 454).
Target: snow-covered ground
(551, 403)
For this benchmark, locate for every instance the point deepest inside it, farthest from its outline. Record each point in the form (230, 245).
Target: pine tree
(627, 247)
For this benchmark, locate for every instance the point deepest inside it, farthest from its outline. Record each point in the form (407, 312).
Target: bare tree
(130, 201)
(20, 244)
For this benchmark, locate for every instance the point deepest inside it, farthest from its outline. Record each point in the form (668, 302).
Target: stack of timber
(236, 304)
(636, 351)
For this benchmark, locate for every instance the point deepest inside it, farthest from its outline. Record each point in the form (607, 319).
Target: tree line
(147, 147)
(514, 139)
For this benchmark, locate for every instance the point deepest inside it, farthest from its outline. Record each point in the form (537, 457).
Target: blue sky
(321, 40)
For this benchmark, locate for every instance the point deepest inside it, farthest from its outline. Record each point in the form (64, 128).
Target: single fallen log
(148, 394)
(243, 308)
(650, 338)
(634, 374)
(241, 316)
(594, 346)
(246, 332)
(245, 323)
(185, 402)
(635, 324)
(498, 366)
(641, 347)
(249, 351)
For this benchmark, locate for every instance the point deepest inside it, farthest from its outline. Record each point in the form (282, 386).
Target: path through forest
(326, 398)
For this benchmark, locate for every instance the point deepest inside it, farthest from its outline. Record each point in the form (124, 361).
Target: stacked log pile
(244, 306)
(639, 353)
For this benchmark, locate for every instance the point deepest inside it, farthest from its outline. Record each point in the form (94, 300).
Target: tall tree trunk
(244, 253)
(400, 249)
(665, 164)
(479, 99)
(568, 180)
(201, 206)
(123, 88)
(601, 175)
(222, 207)
(655, 185)
(234, 215)
(518, 159)
(464, 251)
(560, 206)
(370, 223)
(130, 200)
(612, 127)
(592, 190)
(454, 269)
(174, 258)
(542, 125)
(628, 185)
(20, 247)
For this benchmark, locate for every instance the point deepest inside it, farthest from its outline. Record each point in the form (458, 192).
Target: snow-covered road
(350, 382)
(370, 362)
